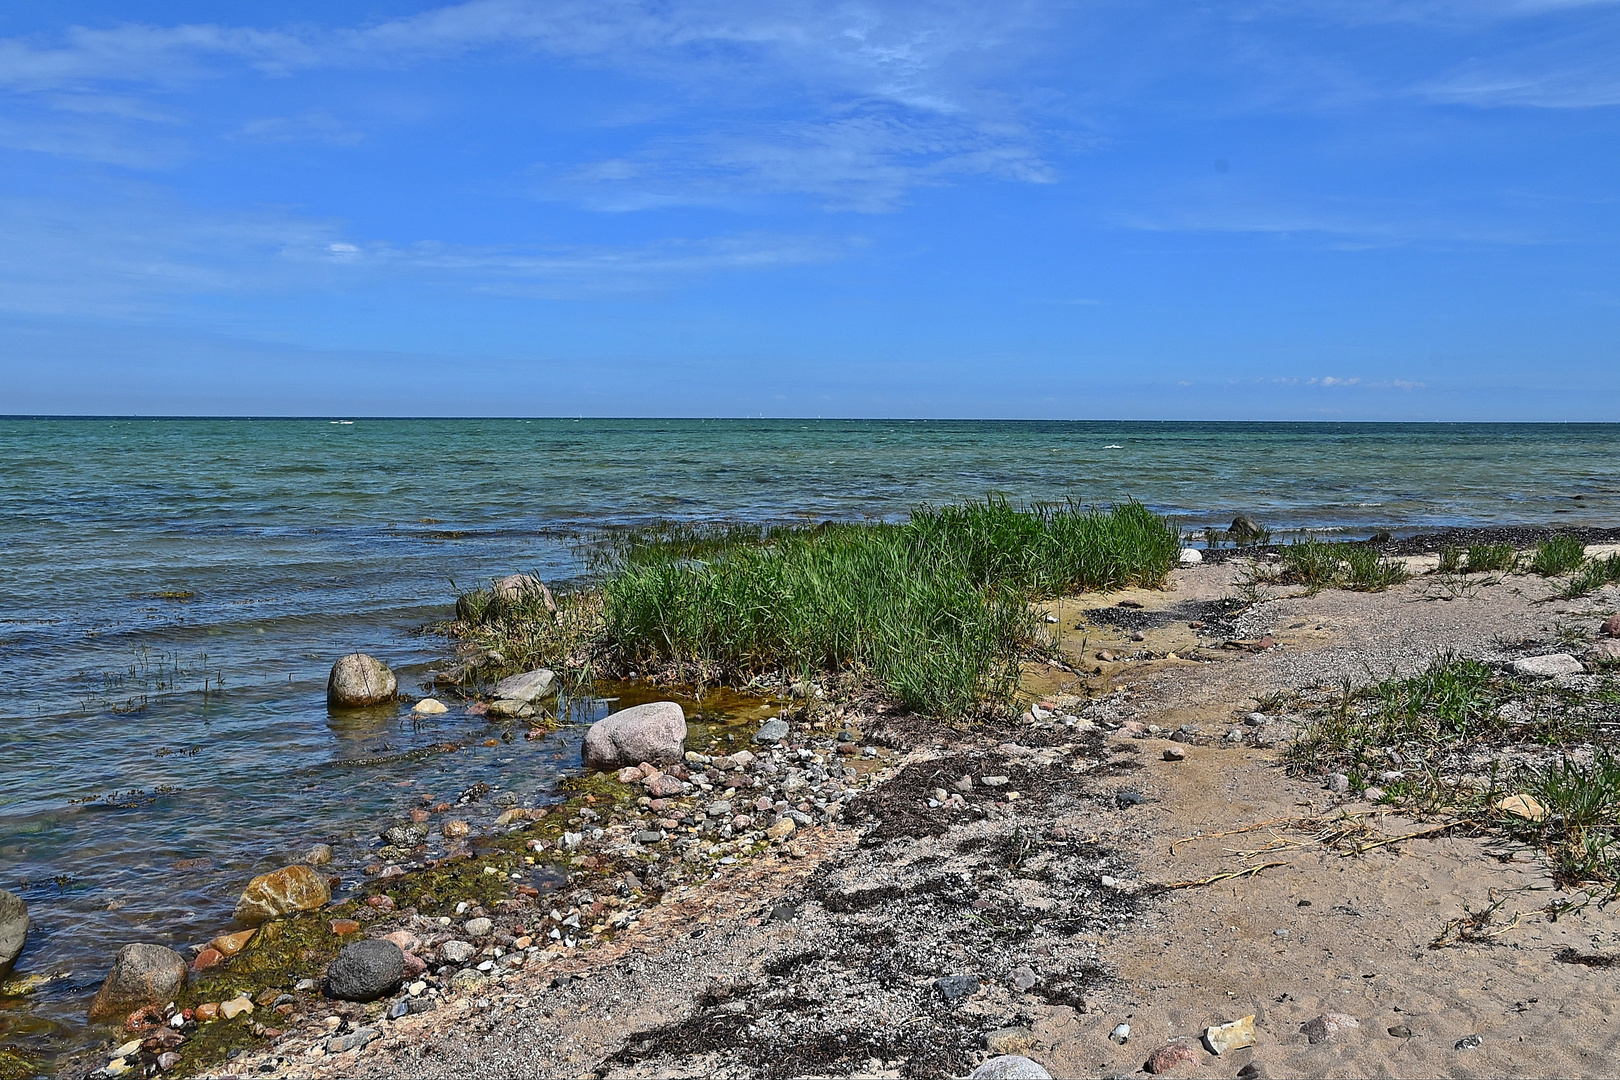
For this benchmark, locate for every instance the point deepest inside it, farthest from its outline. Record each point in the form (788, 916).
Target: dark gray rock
(354, 1040)
(358, 680)
(13, 929)
(956, 987)
(365, 971)
(1245, 528)
(772, 731)
(140, 975)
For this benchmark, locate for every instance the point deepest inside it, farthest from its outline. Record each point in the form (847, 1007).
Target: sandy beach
(1092, 882)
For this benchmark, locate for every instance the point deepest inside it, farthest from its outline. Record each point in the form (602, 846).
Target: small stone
(1254, 1070)
(993, 781)
(318, 854)
(1121, 1034)
(772, 731)
(629, 775)
(1373, 794)
(479, 927)
(430, 707)
(956, 987)
(456, 952)
(1175, 753)
(1234, 1035)
(1172, 1056)
(358, 680)
(1400, 1031)
(168, 1060)
(1468, 1042)
(1338, 783)
(340, 927)
(1191, 556)
(235, 1007)
(1548, 666)
(1327, 1026)
(207, 959)
(454, 829)
(1603, 651)
(205, 1013)
(354, 1040)
(649, 836)
(1611, 626)
(1023, 977)
(1009, 1040)
(782, 829)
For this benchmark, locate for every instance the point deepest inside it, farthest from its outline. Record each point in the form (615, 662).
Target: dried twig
(1247, 871)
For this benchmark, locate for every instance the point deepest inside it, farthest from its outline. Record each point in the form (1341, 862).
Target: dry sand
(1049, 900)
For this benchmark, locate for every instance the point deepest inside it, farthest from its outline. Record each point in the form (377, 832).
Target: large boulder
(529, 687)
(281, 892)
(141, 975)
(654, 733)
(514, 590)
(358, 680)
(366, 971)
(13, 929)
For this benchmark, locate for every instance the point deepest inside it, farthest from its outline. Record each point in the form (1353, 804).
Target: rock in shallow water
(365, 971)
(358, 680)
(528, 687)
(292, 888)
(654, 732)
(140, 975)
(13, 929)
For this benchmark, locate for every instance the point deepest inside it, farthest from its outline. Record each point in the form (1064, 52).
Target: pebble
(1174, 753)
(1024, 978)
(1338, 783)
(457, 952)
(168, 1060)
(1611, 626)
(430, 707)
(956, 987)
(1373, 794)
(772, 731)
(1468, 1042)
(398, 1009)
(782, 829)
(1327, 1026)
(1121, 1034)
(235, 1007)
(993, 781)
(480, 927)
(1401, 1031)
(650, 836)
(318, 855)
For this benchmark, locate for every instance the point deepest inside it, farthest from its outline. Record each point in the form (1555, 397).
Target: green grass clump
(1451, 558)
(1592, 576)
(934, 609)
(1582, 801)
(1317, 564)
(1558, 556)
(1491, 558)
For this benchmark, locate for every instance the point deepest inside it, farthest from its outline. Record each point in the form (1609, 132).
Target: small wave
(1113, 446)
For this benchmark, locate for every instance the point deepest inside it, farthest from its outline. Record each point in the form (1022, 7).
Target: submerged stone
(140, 975)
(280, 892)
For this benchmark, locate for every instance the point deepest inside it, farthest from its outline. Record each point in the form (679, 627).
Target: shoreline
(892, 729)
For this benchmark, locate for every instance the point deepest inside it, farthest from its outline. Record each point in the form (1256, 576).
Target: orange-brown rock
(206, 959)
(206, 1012)
(345, 926)
(280, 892)
(231, 944)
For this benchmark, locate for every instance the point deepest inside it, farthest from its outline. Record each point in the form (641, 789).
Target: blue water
(138, 731)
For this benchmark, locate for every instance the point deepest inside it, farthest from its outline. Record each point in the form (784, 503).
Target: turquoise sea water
(138, 732)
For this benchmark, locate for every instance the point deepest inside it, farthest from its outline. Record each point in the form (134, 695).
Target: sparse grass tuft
(1491, 558)
(1451, 558)
(1594, 575)
(1582, 800)
(1317, 564)
(1558, 556)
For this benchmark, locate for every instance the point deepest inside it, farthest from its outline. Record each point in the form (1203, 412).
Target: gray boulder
(365, 971)
(654, 733)
(529, 687)
(140, 975)
(514, 590)
(358, 680)
(1245, 528)
(13, 929)
(1010, 1067)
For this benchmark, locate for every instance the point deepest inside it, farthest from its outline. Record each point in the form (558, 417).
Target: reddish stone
(590, 862)
(283, 1010)
(847, 748)
(381, 903)
(492, 742)
(164, 1038)
(1173, 1056)
(272, 1033)
(231, 944)
(1611, 626)
(414, 965)
(1268, 642)
(419, 815)
(477, 708)
(144, 1017)
(345, 926)
(526, 890)
(206, 959)
(440, 808)
(658, 806)
(427, 799)
(374, 868)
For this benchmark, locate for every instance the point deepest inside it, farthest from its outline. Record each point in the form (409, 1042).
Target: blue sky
(1314, 209)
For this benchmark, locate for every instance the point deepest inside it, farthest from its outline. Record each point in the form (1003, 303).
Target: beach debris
(654, 733)
(13, 929)
(365, 971)
(1548, 666)
(1327, 1026)
(528, 687)
(1233, 1035)
(1172, 1056)
(280, 892)
(141, 975)
(1010, 1067)
(1524, 806)
(358, 680)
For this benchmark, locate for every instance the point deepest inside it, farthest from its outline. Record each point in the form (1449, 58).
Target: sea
(173, 593)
